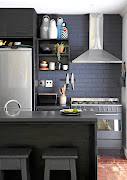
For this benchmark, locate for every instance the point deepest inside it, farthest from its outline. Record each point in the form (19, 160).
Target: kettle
(2, 43)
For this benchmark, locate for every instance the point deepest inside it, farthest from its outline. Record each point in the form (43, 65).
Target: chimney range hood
(96, 54)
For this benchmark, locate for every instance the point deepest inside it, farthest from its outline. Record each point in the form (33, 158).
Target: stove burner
(75, 102)
(94, 102)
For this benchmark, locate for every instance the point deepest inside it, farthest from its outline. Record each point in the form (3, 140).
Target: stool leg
(24, 172)
(47, 170)
(1, 175)
(73, 169)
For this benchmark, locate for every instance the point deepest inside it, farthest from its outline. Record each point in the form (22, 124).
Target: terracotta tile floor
(111, 168)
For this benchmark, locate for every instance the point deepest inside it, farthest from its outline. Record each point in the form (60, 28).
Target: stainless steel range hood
(96, 54)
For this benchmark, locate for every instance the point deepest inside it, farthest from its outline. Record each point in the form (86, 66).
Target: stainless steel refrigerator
(16, 79)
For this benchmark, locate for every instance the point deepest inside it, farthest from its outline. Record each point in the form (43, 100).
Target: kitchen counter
(46, 116)
(42, 129)
(52, 107)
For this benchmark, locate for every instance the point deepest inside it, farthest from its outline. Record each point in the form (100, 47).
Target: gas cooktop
(95, 101)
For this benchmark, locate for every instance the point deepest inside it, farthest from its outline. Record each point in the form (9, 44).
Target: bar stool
(60, 159)
(15, 159)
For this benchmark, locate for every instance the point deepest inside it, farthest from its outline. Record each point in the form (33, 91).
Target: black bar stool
(60, 159)
(15, 159)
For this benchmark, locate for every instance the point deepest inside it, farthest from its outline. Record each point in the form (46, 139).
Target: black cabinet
(18, 22)
(3, 23)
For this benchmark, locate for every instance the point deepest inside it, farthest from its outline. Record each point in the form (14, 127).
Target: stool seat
(60, 159)
(58, 153)
(15, 159)
(15, 152)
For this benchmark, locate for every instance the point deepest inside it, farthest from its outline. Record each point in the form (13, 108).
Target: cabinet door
(2, 23)
(19, 22)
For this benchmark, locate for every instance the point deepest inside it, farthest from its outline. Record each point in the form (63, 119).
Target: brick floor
(111, 168)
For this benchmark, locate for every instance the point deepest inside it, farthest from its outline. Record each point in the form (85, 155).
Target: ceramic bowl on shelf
(65, 67)
(43, 65)
(17, 43)
(44, 62)
(45, 50)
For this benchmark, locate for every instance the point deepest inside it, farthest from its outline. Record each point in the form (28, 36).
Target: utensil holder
(63, 99)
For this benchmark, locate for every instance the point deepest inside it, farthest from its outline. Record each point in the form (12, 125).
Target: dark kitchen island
(43, 129)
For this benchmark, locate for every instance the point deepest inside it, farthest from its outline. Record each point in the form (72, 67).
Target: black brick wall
(92, 80)
(113, 34)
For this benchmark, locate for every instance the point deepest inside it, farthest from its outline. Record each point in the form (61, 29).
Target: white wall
(124, 89)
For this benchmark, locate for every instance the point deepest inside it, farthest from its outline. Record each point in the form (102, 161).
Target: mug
(52, 66)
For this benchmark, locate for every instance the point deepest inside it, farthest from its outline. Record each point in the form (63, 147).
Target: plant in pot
(60, 48)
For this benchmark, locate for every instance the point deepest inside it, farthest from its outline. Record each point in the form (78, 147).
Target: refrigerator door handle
(5, 107)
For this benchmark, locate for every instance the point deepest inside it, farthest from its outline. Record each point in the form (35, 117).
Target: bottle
(64, 31)
(52, 29)
(59, 22)
(44, 29)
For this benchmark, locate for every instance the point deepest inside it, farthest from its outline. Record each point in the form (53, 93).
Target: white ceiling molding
(68, 6)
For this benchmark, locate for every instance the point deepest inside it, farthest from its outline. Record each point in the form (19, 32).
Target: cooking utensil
(60, 90)
(64, 87)
(72, 81)
(67, 81)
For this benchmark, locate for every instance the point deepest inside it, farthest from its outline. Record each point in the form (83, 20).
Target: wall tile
(92, 80)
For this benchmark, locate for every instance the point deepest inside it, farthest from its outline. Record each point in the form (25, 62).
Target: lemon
(68, 110)
(75, 110)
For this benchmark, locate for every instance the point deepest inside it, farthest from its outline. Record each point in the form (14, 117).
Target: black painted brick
(92, 80)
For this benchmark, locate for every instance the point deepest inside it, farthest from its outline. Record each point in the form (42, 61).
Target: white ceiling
(69, 6)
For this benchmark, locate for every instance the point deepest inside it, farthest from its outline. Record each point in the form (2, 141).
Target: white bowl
(43, 65)
(17, 43)
(65, 67)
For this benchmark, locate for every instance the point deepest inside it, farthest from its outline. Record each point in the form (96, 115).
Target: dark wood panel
(2, 23)
(19, 22)
(39, 137)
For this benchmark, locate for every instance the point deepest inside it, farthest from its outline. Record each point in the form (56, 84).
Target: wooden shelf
(52, 70)
(16, 37)
(39, 39)
(15, 47)
(65, 57)
(54, 55)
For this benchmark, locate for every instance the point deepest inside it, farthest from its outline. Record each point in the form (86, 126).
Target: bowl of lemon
(71, 111)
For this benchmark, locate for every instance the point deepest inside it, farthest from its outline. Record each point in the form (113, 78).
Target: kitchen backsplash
(92, 80)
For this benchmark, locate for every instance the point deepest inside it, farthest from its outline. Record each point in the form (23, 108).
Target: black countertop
(47, 116)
